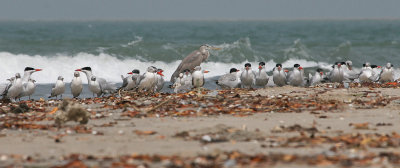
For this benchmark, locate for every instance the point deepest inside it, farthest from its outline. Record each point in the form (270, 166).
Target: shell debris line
(354, 126)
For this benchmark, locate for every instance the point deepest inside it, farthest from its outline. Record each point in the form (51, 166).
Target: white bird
(262, 77)
(229, 80)
(187, 77)
(349, 74)
(279, 75)
(198, 77)
(317, 78)
(387, 74)
(192, 60)
(366, 75)
(95, 87)
(247, 77)
(76, 85)
(160, 80)
(296, 76)
(336, 74)
(376, 71)
(148, 80)
(14, 88)
(28, 89)
(28, 85)
(106, 87)
(131, 81)
(179, 81)
(58, 88)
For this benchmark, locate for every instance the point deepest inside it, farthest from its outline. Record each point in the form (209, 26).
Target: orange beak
(130, 72)
(78, 70)
(286, 70)
(300, 68)
(160, 73)
(379, 67)
(206, 71)
(259, 67)
(38, 69)
(321, 73)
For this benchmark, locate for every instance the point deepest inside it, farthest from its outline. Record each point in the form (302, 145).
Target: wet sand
(279, 126)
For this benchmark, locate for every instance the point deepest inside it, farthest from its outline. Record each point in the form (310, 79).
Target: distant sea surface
(115, 48)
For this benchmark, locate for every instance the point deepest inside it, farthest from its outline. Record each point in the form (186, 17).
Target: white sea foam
(137, 40)
(111, 67)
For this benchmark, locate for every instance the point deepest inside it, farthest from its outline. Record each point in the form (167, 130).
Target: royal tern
(296, 76)
(148, 80)
(279, 75)
(106, 87)
(95, 87)
(387, 74)
(160, 80)
(229, 80)
(262, 77)
(76, 85)
(58, 88)
(247, 77)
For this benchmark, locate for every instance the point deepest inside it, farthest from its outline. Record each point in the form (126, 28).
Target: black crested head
(233, 70)
(319, 70)
(391, 65)
(374, 66)
(296, 65)
(343, 63)
(87, 68)
(261, 63)
(29, 69)
(136, 71)
(247, 65)
(278, 65)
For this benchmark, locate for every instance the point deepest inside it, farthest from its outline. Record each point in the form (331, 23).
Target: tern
(262, 76)
(229, 80)
(14, 88)
(148, 80)
(279, 75)
(28, 84)
(106, 87)
(198, 77)
(160, 80)
(58, 88)
(366, 75)
(247, 77)
(95, 87)
(336, 74)
(192, 60)
(76, 85)
(317, 78)
(387, 74)
(296, 76)
(131, 81)
(187, 77)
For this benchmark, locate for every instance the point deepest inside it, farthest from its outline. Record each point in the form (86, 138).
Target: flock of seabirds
(190, 75)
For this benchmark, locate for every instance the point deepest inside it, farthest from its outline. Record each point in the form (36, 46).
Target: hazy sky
(199, 9)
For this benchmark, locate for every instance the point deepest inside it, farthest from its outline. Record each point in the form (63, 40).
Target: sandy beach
(278, 127)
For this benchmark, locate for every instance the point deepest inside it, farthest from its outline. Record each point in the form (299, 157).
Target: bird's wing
(106, 86)
(4, 88)
(189, 62)
(124, 81)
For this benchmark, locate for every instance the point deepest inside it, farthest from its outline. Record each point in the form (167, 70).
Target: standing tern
(296, 76)
(95, 87)
(28, 84)
(279, 75)
(247, 77)
(229, 80)
(160, 80)
(58, 88)
(148, 80)
(106, 87)
(387, 74)
(192, 60)
(337, 75)
(262, 77)
(317, 78)
(366, 75)
(131, 81)
(198, 77)
(76, 85)
(14, 88)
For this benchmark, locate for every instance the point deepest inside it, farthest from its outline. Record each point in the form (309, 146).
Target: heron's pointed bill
(215, 48)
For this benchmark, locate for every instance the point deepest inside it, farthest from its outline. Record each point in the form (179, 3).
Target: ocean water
(115, 48)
